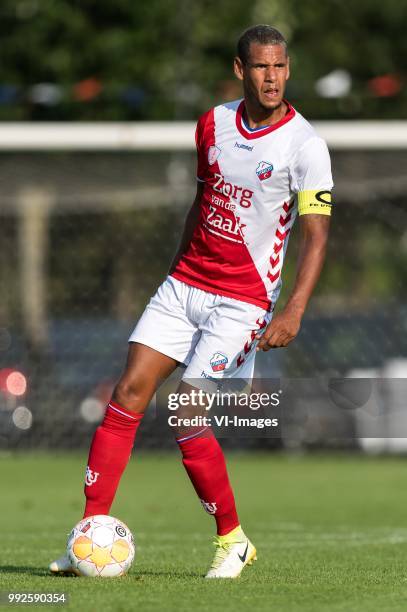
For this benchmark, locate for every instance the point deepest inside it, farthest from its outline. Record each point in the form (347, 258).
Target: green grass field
(331, 534)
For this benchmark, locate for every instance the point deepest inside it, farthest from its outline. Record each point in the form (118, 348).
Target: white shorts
(212, 335)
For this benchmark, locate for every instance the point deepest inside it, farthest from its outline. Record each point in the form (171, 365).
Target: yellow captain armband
(314, 202)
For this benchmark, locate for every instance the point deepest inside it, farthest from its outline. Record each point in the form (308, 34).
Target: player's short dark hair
(262, 34)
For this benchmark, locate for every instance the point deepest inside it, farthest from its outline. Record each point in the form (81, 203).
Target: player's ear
(288, 68)
(238, 68)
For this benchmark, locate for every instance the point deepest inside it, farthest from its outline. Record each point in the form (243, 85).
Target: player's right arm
(189, 226)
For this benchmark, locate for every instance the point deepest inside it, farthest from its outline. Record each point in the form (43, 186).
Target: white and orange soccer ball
(101, 546)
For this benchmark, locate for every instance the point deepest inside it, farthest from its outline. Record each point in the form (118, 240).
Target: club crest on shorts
(213, 154)
(218, 362)
(264, 170)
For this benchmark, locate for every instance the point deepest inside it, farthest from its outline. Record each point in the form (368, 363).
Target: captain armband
(314, 202)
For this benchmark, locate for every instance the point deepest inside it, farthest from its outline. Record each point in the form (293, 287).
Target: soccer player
(259, 164)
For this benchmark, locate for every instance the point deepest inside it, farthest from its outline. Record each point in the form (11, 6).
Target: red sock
(204, 461)
(108, 456)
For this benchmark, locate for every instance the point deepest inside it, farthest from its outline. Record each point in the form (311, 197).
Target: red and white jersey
(249, 201)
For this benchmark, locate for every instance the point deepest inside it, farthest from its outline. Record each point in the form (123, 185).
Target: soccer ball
(101, 546)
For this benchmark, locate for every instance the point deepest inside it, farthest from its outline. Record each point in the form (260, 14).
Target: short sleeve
(311, 177)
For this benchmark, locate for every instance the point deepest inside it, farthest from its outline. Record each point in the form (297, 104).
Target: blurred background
(98, 101)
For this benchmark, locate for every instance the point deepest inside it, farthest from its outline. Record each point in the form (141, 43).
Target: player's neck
(257, 118)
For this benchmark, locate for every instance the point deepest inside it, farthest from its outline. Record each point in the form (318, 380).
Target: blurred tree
(170, 58)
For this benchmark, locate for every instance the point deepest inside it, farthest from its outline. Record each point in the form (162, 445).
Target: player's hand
(280, 331)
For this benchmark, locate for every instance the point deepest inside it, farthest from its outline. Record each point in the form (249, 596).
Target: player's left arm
(284, 327)
(311, 179)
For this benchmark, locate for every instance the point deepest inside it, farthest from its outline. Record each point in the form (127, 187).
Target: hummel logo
(239, 145)
(243, 557)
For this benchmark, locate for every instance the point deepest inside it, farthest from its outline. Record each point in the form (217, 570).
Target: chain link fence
(87, 237)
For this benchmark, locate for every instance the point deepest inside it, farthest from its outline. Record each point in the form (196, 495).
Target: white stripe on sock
(193, 435)
(121, 412)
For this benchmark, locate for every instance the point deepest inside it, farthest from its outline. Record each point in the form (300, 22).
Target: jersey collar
(258, 134)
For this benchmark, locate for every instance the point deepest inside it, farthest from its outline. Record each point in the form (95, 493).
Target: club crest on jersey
(218, 362)
(213, 154)
(264, 170)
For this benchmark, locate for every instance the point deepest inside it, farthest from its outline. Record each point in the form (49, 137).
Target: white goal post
(179, 136)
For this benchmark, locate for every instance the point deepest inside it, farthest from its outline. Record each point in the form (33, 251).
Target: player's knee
(132, 395)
